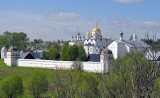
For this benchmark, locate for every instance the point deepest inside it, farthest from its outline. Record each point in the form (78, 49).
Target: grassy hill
(23, 72)
(54, 76)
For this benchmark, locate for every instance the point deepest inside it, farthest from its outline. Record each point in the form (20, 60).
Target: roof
(94, 57)
(35, 55)
(129, 43)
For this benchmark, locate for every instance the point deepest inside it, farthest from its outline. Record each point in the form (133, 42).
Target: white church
(120, 47)
(93, 42)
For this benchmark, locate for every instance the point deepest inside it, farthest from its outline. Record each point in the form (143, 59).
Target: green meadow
(70, 80)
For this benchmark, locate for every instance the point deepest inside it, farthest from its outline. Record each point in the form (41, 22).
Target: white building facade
(120, 47)
(77, 40)
(94, 43)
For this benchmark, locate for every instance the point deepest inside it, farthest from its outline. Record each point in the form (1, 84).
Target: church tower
(3, 52)
(96, 33)
(106, 59)
(12, 57)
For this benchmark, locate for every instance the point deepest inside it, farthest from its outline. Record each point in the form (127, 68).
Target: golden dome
(96, 30)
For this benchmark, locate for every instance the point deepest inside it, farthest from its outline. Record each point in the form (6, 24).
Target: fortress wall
(51, 64)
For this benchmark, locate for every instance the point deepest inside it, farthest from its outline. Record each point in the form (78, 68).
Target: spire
(121, 35)
(72, 39)
(135, 37)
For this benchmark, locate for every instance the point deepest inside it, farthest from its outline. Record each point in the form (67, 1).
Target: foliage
(37, 84)
(81, 54)
(130, 76)
(12, 86)
(156, 92)
(45, 55)
(67, 85)
(37, 41)
(72, 53)
(64, 52)
(154, 45)
(77, 65)
(89, 87)
(52, 53)
(18, 39)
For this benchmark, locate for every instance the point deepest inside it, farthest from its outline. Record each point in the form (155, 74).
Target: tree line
(65, 52)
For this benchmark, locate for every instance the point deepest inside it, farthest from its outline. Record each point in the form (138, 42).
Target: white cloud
(128, 1)
(50, 26)
(151, 24)
(65, 16)
(63, 25)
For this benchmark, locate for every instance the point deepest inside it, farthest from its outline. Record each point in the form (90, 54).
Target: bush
(12, 86)
(37, 84)
(77, 65)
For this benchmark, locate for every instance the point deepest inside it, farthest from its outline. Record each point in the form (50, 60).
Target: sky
(60, 19)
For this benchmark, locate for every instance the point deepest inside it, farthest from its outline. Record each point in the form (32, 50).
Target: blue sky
(60, 19)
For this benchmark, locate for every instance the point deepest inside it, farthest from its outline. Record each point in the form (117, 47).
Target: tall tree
(64, 49)
(37, 84)
(72, 52)
(81, 54)
(52, 53)
(15, 39)
(131, 76)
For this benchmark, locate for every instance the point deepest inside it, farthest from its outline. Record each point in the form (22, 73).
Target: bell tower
(12, 57)
(106, 59)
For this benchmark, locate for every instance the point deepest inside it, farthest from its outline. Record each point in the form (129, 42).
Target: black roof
(94, 57)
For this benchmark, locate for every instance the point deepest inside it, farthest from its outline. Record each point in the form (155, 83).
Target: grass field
(25, 72)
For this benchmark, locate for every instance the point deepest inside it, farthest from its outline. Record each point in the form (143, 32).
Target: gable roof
(129, 43)
(27, 55)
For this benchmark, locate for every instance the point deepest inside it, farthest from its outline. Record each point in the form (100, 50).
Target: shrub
(12, 86)
(37, 84)
(77, 65)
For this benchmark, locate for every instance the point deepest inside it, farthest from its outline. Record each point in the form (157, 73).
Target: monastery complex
(100, 52)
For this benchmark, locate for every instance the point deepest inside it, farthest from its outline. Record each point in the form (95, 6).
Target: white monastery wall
(87, 66)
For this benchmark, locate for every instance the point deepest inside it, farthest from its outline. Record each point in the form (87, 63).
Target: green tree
(66, 85)
(52, 53)
(156, 92)
(37, 84)
(45, 55)
(64, 54)
(19, 40)
(81, 54)
(132, 76)
(72, 53)
(12, 86)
